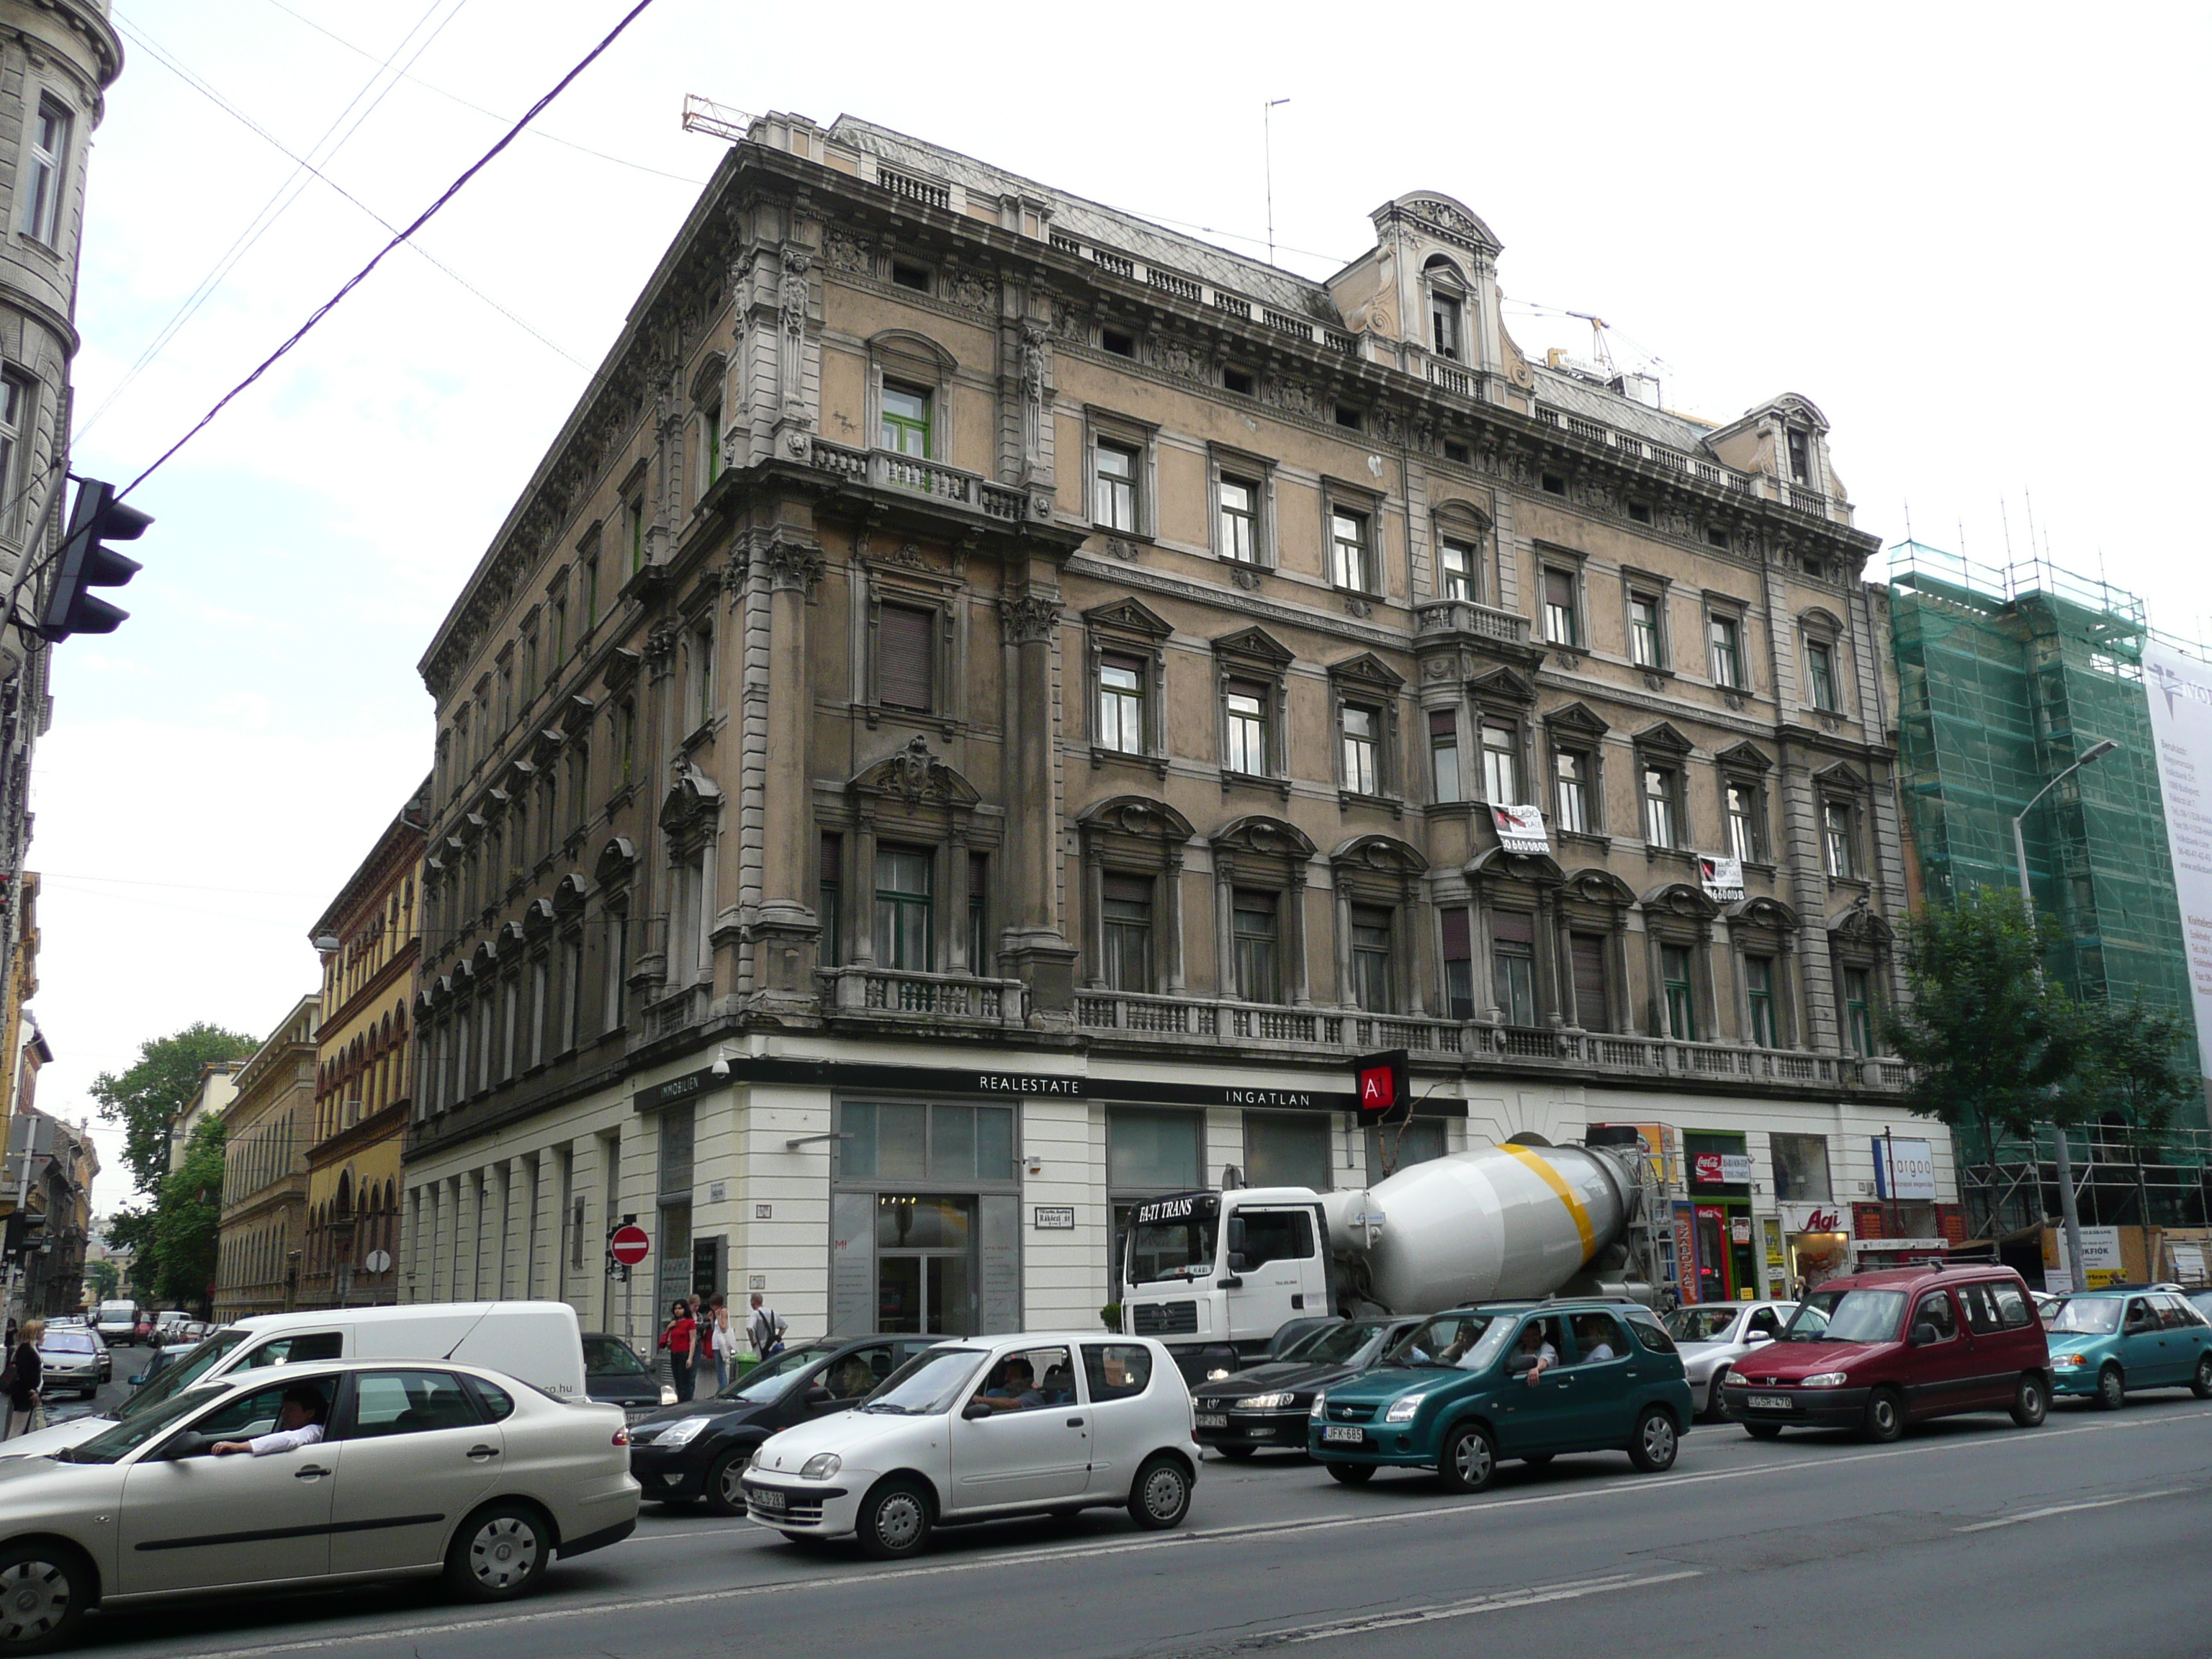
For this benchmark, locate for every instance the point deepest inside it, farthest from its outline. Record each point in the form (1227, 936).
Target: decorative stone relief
(1245, 577)
(846, 251)
(1357, 606)
(1122, 548)
(794, 565)
(972, 289)
(1029, 617)
(660, 646)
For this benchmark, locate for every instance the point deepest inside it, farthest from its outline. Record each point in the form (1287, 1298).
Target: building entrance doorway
(925, 1265)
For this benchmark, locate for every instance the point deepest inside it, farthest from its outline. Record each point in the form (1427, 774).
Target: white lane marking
(1497, 1602)
(1173, 1540)
(2068, 1509)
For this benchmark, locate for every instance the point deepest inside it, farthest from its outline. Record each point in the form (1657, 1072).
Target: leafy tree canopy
(147, 1099)
(104, 1279)
(187, 1220)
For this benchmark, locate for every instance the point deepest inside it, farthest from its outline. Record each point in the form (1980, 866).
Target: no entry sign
(629, 1245)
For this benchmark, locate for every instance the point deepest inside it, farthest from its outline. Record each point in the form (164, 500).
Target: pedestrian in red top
(677, 1339)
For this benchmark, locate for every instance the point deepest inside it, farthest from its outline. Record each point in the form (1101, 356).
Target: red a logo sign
(1376, 1090)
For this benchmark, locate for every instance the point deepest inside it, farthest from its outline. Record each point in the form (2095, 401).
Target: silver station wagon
(420, 1467)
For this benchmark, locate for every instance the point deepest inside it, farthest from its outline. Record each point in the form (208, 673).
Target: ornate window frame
(1342, 495)
(902, 354)
(1525, 883)
(1576, 729)
(1714, 605)
(1594, 901)
(909, 799)
(1504, 695)
(1132, 835)
(1767, 928)
(1123, 432)
(1661, 747)
(1550, 557)
(1678, 913)
(1636, 584)
(1253, 656)
(1367, 681)
(1383, 872)
(1746, 766)
(1259, 471)
(1455, 519)
(1127, 628)
(1861, 940)
(1267, 853)
(915, 586)
(1844, 784)
(1819, 626)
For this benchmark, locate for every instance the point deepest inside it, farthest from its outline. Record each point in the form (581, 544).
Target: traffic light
(86, 563)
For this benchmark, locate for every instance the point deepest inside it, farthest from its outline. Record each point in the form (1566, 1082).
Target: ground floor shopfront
(874, 1187)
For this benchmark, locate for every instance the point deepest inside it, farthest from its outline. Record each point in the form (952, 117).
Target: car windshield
(2086, 1316)
(609, 1356)
(926, 1384)
(112, 1444)
(768, 1379)
(1344, 1344)
(1860, 1316)
(1468, 1341)
(182, 1374)
(1182, 1249)
(1695, 1324)
(69, 1341)
(1810, 1323)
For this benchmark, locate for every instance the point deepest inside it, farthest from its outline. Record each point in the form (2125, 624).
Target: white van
(117, 1322)
(537, 1342)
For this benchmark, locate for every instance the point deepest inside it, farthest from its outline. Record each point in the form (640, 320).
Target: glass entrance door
(925, 1265)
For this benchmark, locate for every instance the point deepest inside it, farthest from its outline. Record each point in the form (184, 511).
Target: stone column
(1301, 986)
(1572, 1013)
(1550, 936)
(1171, 920)
(1094, 917)
(1224, 926)
(860, 885)
(1035, 950)
(788, 933)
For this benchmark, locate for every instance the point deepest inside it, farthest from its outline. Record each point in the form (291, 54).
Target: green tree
(105, 1280)
(147, 1099)
(187, 1218)
(2133, 1071)
(133, 1231)
(1992, 1043)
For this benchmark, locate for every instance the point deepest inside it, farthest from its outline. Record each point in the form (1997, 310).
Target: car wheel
(2030, 1403)
(1469, 1459)
(43, 1590)
(1159, 1497)
(1350, 1474)
(1236, 1454)
(499, 1554)
(1885, 1415)
(2112, 1388)
(1655, 1442)
(2201, 1383)
(1763, 1430)
(725, 1490)
(894, 1520)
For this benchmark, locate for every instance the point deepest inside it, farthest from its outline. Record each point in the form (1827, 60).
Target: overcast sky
(1973, 235)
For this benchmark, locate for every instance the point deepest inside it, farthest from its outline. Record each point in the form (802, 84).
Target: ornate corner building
(989, 704)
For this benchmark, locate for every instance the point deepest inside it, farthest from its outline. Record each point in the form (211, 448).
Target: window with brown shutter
(906, 658)
(1590, 1011)
(1517, 926)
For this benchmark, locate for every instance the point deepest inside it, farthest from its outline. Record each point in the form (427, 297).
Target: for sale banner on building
(2181, 692)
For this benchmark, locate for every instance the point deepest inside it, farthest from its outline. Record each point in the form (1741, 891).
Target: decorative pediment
(1385, 854)
(918, 777)
(510, 933)
(706, 382)
(1841, 778)
(1594, 886)
(1502, 685)
(1432, 214)
(1818, 619)
(1859, 925)
(1127, 616)
(1257, 644)
(1763, 912)
(1261, 834)
(538, 918)
(568, 894)
(1680, 899)
(545, 746)
(486, 953)
(1368, 670)
(1662, 738)
(1459, 512)
(1497, 864)
(1744, 758)
(574, 714)
(1577, 717)
(621, 670)
(1133, 814)
(617, 859)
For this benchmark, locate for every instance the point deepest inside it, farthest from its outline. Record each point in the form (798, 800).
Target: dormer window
(1801, 456)
(1445, 325)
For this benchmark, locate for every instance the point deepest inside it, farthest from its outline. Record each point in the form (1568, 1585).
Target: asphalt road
(1970, 1537)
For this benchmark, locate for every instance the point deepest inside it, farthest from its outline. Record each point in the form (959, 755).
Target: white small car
(1714, 1335)
(984, 1427)
(423, 1468)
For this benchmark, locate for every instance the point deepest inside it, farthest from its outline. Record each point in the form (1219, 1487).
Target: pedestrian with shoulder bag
(19, 1383)
(766, 1328)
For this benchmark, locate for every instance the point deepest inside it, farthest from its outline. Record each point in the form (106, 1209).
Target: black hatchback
(1267, 1405)
(698, 1449)
(615, 1376)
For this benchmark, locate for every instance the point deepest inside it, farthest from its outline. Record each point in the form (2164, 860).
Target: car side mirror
(1759, 1336)
(1237, 1263)
(187, 1444)
(1236, 1234)
(1520, 1365)
(817, 1396)
(973, 1410)
(1922, 1336)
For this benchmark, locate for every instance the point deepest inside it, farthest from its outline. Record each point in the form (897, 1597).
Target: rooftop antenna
(2028, 495)
(1908, 517)
(1267, 149)
(2005, 518)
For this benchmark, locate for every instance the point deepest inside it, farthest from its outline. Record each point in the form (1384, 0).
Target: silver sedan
(421, 1467)
(1714, 1335)
(71, 1358)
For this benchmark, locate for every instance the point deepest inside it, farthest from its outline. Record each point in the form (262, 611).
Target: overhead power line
(421, 219)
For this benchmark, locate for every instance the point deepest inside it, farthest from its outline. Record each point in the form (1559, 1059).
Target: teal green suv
(1472, 1387)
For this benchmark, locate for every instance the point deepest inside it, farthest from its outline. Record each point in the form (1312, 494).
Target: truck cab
(1214, 1275)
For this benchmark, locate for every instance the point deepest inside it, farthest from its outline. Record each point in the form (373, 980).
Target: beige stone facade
(269, 1125)
(992, 704)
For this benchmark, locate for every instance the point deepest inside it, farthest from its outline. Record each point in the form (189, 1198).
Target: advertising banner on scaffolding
(2181, 692)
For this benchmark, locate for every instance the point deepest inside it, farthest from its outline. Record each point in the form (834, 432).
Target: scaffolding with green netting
(2006, 677)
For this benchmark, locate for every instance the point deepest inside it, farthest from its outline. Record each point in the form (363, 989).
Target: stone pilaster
(1034, 945)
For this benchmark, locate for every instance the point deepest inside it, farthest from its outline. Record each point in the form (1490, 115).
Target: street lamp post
(2069, 1212)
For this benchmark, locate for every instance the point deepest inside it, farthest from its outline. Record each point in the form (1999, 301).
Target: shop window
(1255, 928)
(1371, 988)
(1443, 753)
(1459, 963)
(1400, 1146)
(1801, 1168)
(1289, 1149)
(918, 1143)
(1758, 997)
(1152, 1150)
(1674, 963)
(902, 908)
(1513, 960)
(1127, 922)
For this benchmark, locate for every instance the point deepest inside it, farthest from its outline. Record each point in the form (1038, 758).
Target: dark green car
(1513, 1379)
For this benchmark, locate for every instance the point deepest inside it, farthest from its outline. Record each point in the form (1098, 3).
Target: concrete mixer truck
(1214, 1274)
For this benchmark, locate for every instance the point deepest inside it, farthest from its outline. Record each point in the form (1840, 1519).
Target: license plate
(1347, 1436)
(766, 1497)
(1768, 1402)
(1213, 1419)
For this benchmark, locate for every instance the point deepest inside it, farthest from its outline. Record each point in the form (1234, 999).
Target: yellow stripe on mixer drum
(1550, 1178)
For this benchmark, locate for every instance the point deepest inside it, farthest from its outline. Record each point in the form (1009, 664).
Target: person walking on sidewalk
(677, 1339)
(765, 1329)
(21, 1374)
(721, 1341)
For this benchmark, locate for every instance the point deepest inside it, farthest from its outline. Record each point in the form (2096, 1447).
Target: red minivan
(1877, 1351)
